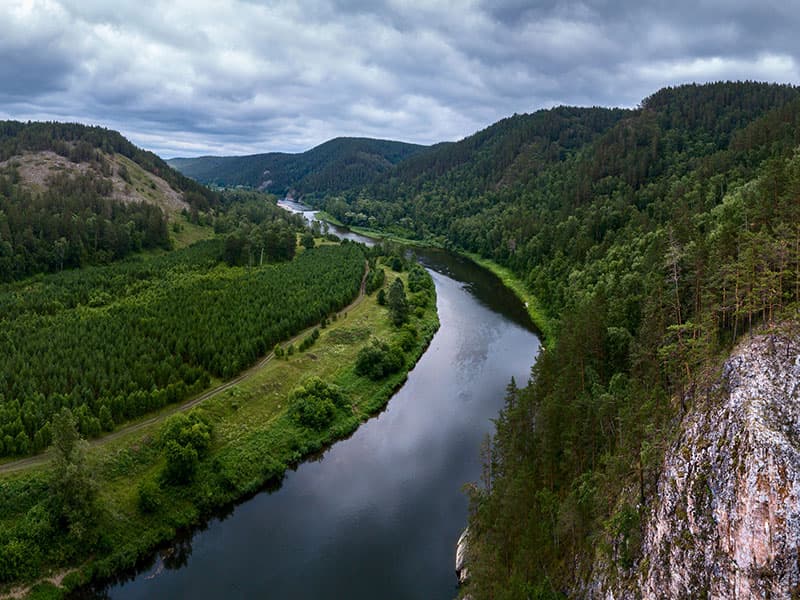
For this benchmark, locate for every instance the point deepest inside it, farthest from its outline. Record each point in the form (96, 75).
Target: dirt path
(39, 459)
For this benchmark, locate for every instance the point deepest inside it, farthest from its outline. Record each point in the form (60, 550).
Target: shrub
(375, 280)
(397, 302)
(378, 359)
(149, 497)
(185, 439)
(314, 404)
(182, 463)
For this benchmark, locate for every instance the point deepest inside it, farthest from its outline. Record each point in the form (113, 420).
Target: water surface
(378, 515)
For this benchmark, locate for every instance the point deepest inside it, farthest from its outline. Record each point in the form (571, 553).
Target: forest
(71, 219)
(71, 224)
(654, 238)
(115, 342)
(338, 164)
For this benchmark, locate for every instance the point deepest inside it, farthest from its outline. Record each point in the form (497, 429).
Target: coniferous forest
(112, 343)
(653, 239)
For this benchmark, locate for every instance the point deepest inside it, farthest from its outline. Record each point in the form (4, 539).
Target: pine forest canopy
(115, 342)
(654, 238)
(337, 164)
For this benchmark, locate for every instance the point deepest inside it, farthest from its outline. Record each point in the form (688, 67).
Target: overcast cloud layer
(184, 78)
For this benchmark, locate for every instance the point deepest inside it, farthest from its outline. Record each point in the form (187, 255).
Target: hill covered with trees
(654, 239)
(338, 164)
(72, 195)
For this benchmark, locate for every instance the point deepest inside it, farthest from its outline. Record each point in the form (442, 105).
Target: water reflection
(377, 516)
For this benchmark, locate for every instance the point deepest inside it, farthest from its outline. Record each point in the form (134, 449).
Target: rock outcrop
(726, 520)
(461, 557)
(727, 523)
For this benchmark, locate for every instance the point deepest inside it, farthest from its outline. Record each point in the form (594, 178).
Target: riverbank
(537, 313)
(254, 441)
(543, 322)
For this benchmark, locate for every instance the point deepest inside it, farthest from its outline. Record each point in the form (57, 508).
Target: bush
(397, 302)
(15, 558)
(185, 439)
(309, 341)
(307, 240)
(187, 430)
(418, 279)
(182, 463)
(375, 280)
(408, 337)
(396, 263)
(378, 359)
(149, 499)
(314, 404)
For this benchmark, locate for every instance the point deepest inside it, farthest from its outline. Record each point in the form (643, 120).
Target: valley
(656, 249)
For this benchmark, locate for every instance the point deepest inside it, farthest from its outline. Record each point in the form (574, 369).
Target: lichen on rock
(726, 519)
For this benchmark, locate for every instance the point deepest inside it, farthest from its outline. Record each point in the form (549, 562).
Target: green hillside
(338, 164)
(654, 238)
(73, 195)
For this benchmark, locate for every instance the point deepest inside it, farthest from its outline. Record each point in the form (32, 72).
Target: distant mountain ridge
(338, 164)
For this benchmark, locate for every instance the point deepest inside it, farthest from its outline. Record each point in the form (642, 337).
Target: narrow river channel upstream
(376, 515)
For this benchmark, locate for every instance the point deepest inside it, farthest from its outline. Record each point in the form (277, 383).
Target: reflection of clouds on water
(474, 327)
(379, 513)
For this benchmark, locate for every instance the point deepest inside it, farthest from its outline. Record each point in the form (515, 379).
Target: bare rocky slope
(726, 521)
(137, 185)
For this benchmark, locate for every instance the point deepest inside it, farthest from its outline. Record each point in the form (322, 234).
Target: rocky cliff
(726, 520)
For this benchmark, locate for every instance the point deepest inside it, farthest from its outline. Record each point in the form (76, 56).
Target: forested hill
(72, 195)
(654, 239)
(507, 155)
(83, 143)
(340, 163)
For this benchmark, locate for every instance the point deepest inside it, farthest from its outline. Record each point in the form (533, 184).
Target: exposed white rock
(726, 521)
(461, 557)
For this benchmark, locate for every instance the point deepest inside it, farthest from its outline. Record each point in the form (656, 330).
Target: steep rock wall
(726, 520)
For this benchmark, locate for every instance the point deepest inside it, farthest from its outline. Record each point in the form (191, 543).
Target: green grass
(141, 181)
(254, 442)
(538, 315)
(188, 233)
(324, 216)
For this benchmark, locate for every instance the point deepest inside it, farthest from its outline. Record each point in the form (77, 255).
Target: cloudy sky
(190, 77)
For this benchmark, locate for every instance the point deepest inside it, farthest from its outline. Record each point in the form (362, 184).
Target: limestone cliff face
(726, 520)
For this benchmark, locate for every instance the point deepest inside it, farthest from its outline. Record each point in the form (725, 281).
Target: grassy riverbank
(254, 440)
(539, 316)
(537, 313)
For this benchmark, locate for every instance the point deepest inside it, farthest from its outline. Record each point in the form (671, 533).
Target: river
(376, 515)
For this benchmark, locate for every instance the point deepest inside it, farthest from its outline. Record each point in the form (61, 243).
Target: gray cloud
(195, 77)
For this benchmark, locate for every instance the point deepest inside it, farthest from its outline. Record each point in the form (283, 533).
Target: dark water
(379, 514)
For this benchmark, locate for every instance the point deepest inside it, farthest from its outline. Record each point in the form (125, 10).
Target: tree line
(115, 342)
(653, 242)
